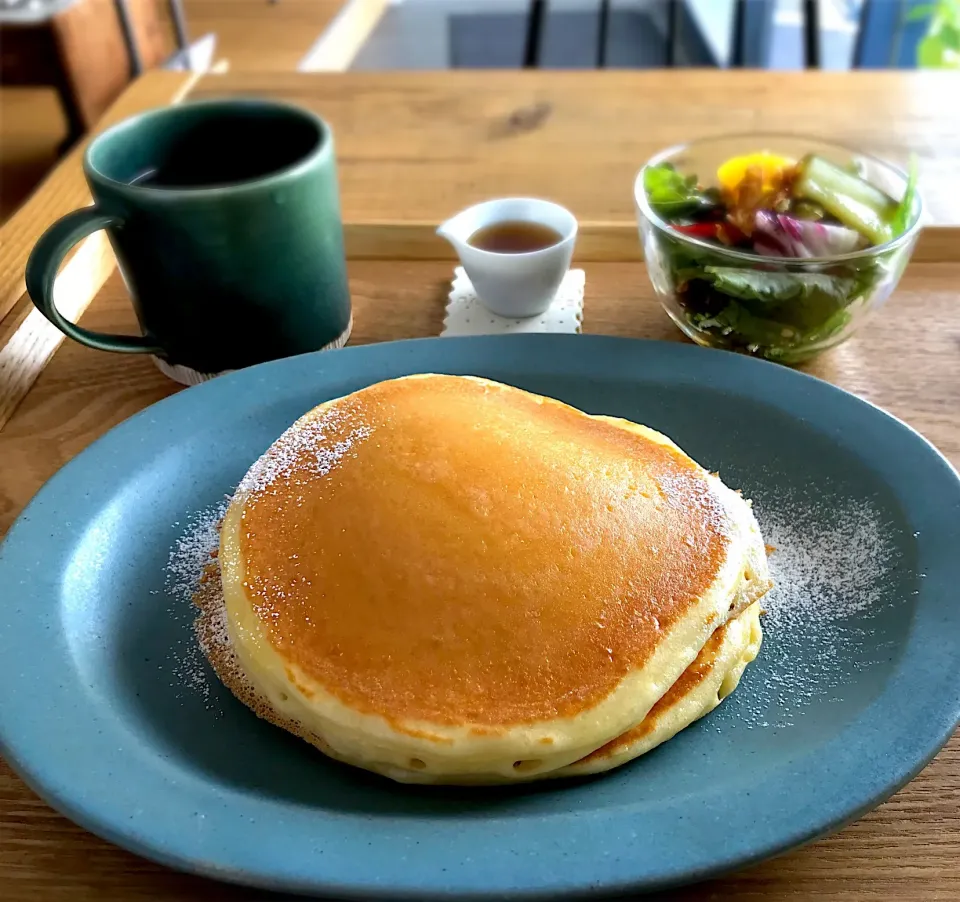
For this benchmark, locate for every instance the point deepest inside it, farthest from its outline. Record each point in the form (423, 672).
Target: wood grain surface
(907, 360)
(420, 145)
(257, 35)
(598, 242)
(335, 49)
(33, 126)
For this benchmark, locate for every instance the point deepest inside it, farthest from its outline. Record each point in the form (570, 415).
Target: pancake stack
(443, 579)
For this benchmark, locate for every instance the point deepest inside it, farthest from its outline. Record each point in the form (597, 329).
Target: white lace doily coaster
(466, 315)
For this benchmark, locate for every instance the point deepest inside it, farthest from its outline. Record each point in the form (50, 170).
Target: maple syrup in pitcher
(514, 236)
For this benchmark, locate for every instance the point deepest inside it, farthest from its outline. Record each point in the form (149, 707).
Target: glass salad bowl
(774, 245)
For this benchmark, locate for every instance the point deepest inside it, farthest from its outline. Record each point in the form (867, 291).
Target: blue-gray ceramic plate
(854, 691)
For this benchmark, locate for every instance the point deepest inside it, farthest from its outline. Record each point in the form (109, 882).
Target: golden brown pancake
(703, 685)
(491, 584)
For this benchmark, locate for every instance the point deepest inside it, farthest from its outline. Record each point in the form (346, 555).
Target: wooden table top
(418, 145)
(907, 361)
(257, 35)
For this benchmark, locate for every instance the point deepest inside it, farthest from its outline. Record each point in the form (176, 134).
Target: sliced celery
(807, 209)
(855, 202)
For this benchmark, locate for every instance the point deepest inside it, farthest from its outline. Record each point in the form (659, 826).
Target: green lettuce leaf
(797, 301)
(672, 195)
(777, 340)
(736, 322)
(758, 285)
(902, 217)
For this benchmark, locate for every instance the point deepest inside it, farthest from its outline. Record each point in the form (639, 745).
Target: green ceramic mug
(225, 219)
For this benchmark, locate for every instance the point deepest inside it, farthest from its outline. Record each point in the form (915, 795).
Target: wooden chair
(89, 50)
(177, 20)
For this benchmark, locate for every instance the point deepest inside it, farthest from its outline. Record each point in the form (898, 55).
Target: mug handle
(41, 273)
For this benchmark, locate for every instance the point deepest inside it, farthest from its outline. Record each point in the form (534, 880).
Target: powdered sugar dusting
(212, 635)
(314, 445)
(832, 565)
(825, 573)
(211, 640)
(191, 557)
(311, 448)
(685, 490)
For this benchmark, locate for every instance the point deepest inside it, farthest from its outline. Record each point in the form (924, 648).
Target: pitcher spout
(456, 231)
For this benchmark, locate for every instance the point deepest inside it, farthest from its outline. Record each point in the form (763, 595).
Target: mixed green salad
(783, 212)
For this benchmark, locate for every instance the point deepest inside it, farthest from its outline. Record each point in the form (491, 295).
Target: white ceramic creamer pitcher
(514, 284)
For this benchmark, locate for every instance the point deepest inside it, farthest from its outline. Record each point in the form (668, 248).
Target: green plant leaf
(950, 36)
(931, 53)
(940, 47)
(949, 11)
(921, 12)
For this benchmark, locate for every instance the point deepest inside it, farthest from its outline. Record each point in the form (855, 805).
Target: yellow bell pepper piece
(772, 166)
